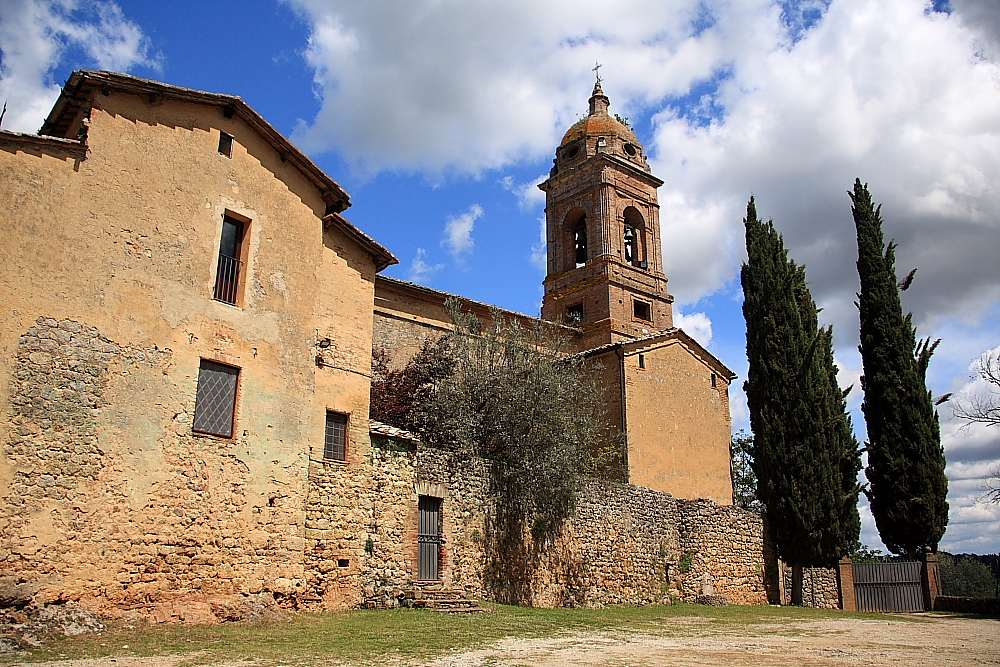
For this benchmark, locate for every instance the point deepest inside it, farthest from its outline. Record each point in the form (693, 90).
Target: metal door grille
(428, 537)
(892, 586)
(216, 401)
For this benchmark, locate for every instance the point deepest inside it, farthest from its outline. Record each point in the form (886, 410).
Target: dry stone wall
(726, 552)
(819, 587)
(621, 543)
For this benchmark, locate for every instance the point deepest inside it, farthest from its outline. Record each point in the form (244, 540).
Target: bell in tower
(605, 270)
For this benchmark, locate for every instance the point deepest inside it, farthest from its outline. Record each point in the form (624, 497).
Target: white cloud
(528, 195)
(452, 85)
(696, 325)
(420, 271)
(458, 231)
(903, 97)
(34, 37)
(539, 251)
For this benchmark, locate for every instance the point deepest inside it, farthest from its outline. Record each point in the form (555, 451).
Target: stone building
(186, 330)
(605, 282)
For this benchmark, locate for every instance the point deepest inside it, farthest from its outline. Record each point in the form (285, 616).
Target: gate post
(845, 584)
(930, 577)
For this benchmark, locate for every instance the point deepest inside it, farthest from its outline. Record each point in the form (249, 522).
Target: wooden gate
(893, 586)
(428, 537)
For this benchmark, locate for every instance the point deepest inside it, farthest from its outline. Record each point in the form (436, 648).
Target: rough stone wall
(621, 544)
(615, 548)
(819, 587)
(727, 551)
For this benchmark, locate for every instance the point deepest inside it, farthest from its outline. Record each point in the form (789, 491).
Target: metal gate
(428, 537)
(894, 586)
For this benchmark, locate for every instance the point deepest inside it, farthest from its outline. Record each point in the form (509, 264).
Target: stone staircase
(443, 601)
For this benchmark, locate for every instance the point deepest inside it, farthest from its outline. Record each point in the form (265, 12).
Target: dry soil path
(935, 641)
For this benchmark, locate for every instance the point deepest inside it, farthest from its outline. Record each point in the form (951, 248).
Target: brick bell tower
(602, 221)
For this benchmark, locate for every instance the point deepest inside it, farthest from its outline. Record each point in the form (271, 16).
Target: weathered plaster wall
(124, 245)
(678, 424)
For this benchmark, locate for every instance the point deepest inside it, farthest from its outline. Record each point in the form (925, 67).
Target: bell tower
(602, 221)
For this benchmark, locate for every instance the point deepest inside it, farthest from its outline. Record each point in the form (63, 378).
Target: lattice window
(216, 402)
(335, 443)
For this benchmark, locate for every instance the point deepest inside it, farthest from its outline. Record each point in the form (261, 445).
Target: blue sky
(440, 116)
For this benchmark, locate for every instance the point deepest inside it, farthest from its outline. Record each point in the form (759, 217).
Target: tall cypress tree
(805, 457)
(908, 487)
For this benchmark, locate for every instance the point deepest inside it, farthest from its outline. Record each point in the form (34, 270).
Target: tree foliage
(744, 479)
(908, 487)
(515, 396)
(983, 407)
(967, 576)
(804, 453)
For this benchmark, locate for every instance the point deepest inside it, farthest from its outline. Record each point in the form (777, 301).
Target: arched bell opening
(634, 238)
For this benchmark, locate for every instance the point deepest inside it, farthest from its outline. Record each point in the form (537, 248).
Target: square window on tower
(641, 311)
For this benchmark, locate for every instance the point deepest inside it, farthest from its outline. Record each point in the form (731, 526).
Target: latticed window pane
(336, 436)
(216, 403)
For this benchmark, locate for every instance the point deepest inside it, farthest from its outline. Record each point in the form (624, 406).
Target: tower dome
(599, 132)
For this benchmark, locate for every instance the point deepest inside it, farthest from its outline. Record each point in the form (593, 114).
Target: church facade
(187, 327)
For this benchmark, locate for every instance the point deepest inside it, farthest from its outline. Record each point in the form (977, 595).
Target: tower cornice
(601, 161)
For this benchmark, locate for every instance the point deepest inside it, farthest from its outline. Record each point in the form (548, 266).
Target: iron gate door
(894, 586)
(428, 537)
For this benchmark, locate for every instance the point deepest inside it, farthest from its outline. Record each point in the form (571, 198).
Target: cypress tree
(907, 485)
(804, 455)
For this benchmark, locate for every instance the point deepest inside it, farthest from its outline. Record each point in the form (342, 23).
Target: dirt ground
(694, 642)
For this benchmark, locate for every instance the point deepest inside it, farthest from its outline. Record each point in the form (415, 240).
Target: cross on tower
(597, 70)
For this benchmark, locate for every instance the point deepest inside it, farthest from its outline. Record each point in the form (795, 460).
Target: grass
(375, 635)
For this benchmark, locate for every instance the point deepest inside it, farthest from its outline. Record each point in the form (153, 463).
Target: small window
(229, 274)
(715, 380)
(574, 313)
(571, 152)
(642, 361)
(640, 310)
(334, 445)
(215, 404)
(629, 149)
(343, 562)
(226, 144)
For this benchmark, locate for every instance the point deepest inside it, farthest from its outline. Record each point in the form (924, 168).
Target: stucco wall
(678, 424)
(122, 246)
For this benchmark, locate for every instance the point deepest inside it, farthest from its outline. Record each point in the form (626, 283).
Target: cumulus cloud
(451, 85)
(458, 231)
(420, 270)
(792, 100)
(696, 325)
(540, 250)
(787, 100)
(528, 195)
(34, 38)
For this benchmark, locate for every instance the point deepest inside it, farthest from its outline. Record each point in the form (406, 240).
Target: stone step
(441, 600)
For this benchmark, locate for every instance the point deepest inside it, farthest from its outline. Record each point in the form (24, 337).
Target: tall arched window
(580, 243)
(631, 245)
(634, 238)
(576, 225)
